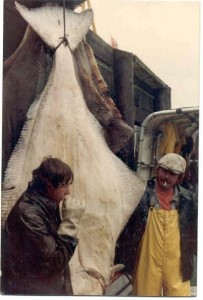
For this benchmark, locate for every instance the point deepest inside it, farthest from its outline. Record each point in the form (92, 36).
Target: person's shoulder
(30, 210)
(28, 201)
(21, 209)
(185, 192)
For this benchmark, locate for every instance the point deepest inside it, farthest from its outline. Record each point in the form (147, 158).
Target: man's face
(166, 178)
(58, 194)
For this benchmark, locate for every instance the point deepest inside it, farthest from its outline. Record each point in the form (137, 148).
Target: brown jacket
(35, 258)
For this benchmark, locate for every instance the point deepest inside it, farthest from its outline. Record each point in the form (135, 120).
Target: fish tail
(55, 24)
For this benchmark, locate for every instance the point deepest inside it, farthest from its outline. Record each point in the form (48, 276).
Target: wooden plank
(123, 75)
(144, 85)
(150, 95)
(145, 74)
(143, 99)
(102, 50)
(140, 115)
(163, 99)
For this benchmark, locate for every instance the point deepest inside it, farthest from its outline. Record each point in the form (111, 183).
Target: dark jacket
(129, 240)
(34, 257)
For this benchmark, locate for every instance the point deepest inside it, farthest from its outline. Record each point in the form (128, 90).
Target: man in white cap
(163, 231)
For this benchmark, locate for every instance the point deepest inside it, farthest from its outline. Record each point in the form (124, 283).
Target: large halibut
(60, 124)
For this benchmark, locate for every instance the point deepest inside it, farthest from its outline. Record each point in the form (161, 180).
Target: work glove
(71, 213)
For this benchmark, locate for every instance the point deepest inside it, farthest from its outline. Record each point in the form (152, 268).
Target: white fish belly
(63, 127)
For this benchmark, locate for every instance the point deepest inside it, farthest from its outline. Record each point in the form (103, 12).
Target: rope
(64, 38)
(64, 20)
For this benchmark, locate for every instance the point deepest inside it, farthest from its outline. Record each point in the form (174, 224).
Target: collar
(154, 202)
(41, 200)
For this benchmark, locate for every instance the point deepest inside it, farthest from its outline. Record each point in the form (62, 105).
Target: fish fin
(48, 23)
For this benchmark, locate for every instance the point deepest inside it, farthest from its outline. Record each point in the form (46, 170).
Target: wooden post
(124, 79)
(162, 100)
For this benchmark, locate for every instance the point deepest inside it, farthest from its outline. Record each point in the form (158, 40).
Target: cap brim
(172, 170)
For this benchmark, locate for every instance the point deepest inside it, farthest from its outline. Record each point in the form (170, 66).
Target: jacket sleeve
(38, 238)
(129, 240)
(193, 223)
(188, 230)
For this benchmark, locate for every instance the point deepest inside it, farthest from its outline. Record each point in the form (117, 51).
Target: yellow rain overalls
(158, 271)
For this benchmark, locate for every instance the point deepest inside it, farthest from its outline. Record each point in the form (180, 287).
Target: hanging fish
(60, 124)
(26, 73)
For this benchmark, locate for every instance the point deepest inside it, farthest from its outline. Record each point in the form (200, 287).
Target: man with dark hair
(35, 257)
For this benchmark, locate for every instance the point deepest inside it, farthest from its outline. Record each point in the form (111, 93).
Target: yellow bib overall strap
(158, 269)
